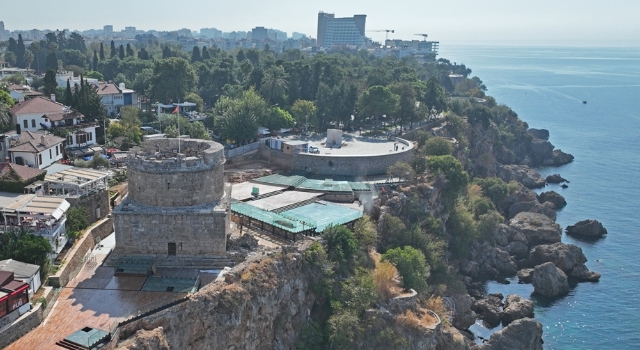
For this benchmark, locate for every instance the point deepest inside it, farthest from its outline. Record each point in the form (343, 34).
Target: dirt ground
(246, 167)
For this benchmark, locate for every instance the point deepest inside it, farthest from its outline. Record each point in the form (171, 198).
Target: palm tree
(274, 83)
(6, 122)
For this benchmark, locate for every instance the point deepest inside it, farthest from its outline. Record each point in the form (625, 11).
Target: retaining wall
(347, 165)
(91, 202)
(22, 326)
(75, 258)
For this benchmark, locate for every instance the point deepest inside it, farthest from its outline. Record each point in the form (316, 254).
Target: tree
(49, 82)
(276, 118)
(68, 95)
(195, 55)
(130, 52)
(341, 247)
(304, 111)
(94, 75)
(166, 52)
(437, 146)
(52, 62)
(205, 53)
(401, 171)
(5, 99)
(101, 52)
(454, 173)
(237, 119)
(6, 121)
(114, 52)
(434, 97)
(76, 42)
(95, 61)
(365, 232)
(121, 52)
(172, 79)
(76, 219)
(194, 98)
(21, 245)
(20, 50)
(10, 57)
(377, 101)
(274, 84)
(73, 57)
(240, 56)
(411, 265)
(406, 111)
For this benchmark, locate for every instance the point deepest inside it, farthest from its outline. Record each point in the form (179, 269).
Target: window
(90, 136)
(70, 139)
(39, 159)
(57, 150)
(26, 124)
(50, 155)
(172, 249)
(33, 123)
(81, 138)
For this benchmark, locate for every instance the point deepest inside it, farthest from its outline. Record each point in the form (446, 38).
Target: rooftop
(34, 142)
(21, 271)
(24, 172)
(37, 105)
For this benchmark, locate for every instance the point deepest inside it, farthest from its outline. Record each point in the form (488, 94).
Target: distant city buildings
(108, 30)
(334, 31)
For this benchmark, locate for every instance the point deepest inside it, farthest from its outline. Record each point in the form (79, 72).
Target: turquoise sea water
(545, 86)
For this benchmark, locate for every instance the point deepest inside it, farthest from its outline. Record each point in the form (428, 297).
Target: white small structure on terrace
(76, 182)
(43, 216)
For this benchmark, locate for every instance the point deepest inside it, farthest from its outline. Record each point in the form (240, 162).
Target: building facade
(341, 31)
(114, 97)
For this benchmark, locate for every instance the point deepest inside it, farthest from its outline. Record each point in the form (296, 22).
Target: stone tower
(175, 203)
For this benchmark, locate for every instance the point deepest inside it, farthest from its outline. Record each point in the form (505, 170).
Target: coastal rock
(515, 308)
(521, 194)
(564, 256)
(525, 275)
(502, 234)
(587, 228)
(548, 209)
(558, 158)
(549, 281)
(469, 268)
(555, 179)
(541, 151)
(537, 228)
(542, 134)
(518, 249)
(552, 197)
(583, 274)
(489, 309)
(463, 317)
(522, 334)
(492, 261)
(520, 173)
(143, 339)
(567, 257)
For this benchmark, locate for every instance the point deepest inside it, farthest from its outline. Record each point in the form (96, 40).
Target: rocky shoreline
(528, 246)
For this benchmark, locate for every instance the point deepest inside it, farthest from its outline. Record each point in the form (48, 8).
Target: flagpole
(179, 126)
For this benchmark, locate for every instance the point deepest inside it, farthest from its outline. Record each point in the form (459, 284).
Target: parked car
(313, 149)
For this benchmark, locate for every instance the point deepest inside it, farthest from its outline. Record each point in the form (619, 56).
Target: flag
(175, 110)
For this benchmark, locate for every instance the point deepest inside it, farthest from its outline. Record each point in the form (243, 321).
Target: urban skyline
(457, 20)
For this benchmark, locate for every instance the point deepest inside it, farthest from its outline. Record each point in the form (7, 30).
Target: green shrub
(437, 146)
(411, 265)
(341, 247)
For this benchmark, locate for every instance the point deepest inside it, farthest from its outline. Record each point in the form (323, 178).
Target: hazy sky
(588, 21)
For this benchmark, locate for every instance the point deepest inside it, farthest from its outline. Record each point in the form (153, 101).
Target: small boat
(584, 102)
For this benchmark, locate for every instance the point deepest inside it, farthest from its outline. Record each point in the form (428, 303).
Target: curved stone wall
(159, 176)
(351, 165)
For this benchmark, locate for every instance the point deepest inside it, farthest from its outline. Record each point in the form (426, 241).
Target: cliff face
(262, 304)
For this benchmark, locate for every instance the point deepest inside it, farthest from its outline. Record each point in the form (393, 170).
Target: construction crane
(423, 35)
(384, 30)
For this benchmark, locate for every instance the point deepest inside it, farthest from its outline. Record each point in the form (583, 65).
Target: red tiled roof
(71, 114)
(32, 142)
(25, 172)
(107, 89)
(37, 105)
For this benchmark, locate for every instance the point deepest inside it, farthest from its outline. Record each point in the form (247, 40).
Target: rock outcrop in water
(515, 308)
(537, 228)
(549, 281)
(523, 334)
(587, 228)
(552, 197)
(567, 257)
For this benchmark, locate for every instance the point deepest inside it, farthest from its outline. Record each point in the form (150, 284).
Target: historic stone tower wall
(174, 206)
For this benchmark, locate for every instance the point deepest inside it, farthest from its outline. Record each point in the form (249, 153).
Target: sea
(546, 87)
